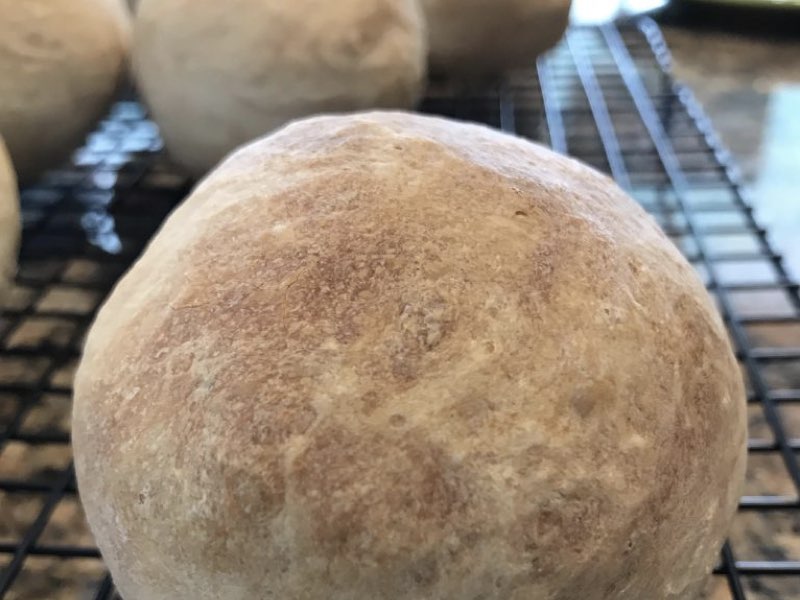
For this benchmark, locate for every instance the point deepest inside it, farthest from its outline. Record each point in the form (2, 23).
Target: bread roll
(393, 357)
(475, 39)
(223, 73)
(60, 65)
(9, 222)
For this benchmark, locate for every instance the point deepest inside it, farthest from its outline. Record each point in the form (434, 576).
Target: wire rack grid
(605, 96)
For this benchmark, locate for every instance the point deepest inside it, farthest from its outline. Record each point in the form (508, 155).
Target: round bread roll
(393, 357)
(60, 65)
(479, 39)
(224, 73)
(9, 221)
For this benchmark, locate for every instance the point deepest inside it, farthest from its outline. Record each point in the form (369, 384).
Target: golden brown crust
(393, 357)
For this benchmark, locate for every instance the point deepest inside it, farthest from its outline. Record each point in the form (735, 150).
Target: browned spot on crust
(369, 402)
(363, 490)
(238, 494)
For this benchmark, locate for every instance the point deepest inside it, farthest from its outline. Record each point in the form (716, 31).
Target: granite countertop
(749, 84)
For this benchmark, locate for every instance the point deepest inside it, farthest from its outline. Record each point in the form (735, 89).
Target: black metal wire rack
(605, 96)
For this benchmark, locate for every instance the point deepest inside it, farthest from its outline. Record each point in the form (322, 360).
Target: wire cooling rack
(605, 96)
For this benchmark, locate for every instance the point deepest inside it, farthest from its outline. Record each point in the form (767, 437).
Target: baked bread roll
(393, 357)
(9, 222)
(60, 65)
(475, 39)
(223, 73)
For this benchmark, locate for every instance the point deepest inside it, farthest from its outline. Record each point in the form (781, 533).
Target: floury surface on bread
(61, 62)
(476, 39)
(395, 357)
(219, 74)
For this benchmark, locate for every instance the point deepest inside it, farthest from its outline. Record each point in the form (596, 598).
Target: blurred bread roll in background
(475, 39)
(61, 62)
(219, 74)
(9, 221)
(392, 357)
